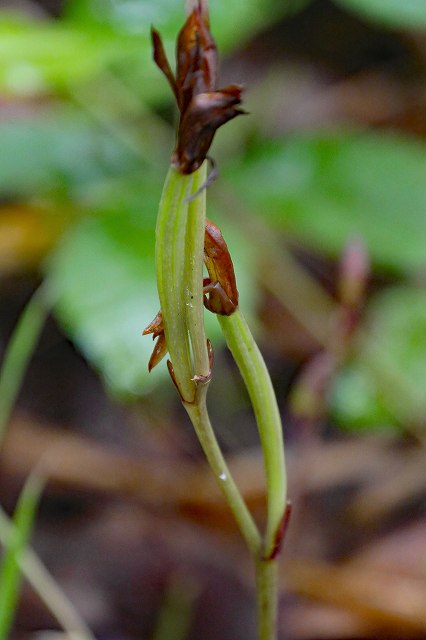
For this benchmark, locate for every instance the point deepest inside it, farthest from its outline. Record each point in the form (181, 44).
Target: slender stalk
(258, 382)
(193, 292)
(19, 351)
(175, 617)
(180, 249)
(170, 265)
(267, 598)
(201, 422)
(45, 586)
(197, 410)
(179, 255)
(10, 574)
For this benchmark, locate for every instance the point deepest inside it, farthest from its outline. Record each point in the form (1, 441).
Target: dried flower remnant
(160, 348)
(203, 107)
(221, 285)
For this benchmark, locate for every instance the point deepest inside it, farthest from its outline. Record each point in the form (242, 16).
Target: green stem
(201, 422)
(179, 257)
(45, 586)
(267, 598)
(179, 260)
(197, 410)
(10, 573)
(19, 351)
(258, 382)
(194, 250)
(170, 265)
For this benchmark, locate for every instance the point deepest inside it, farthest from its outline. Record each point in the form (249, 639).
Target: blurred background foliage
(331, 156)
(84, 139)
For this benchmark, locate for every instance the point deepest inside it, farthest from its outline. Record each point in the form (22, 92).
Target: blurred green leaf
(38, 55)
(388, 389)
(10, 571)
(356, 403)
(392, 13)
(326, 188)
(103, 277)
(137, 16)
(18, 353)
(61, 149)
(94, 36)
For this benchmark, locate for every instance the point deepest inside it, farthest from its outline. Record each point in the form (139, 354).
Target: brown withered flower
(220, 288)
(203, 107)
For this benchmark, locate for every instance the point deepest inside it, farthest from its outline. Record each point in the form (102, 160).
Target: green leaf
(356, 402)
(103, 277)
(113, 35)
(61, 149)
(38, 56)
(19, 350)
(326, 188)
(385, 382)
(137, 16)
(410, 14)
(10, 571)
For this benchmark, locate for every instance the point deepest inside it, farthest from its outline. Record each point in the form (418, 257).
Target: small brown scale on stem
(160, 348)
(280, 534)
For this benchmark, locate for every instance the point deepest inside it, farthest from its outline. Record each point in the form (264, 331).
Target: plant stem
(10, 573)
(179, 256)
(193, 292)
(259, 386)
(170, 265)
(45, 586)
(201, 422)
(19, 351)
(257, 380)
(179, 260)
(267, 598)
(197, 410)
